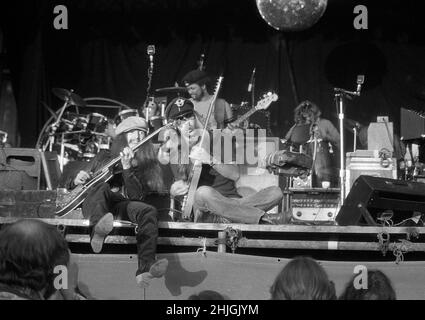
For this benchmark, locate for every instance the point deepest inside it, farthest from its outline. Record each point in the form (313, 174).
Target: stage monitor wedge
(371, 196)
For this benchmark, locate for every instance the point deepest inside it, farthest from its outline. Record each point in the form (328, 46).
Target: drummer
(198, 83)
(321, 139)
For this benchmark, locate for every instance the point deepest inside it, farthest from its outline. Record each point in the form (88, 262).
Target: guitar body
(67, 202)
(187, 204)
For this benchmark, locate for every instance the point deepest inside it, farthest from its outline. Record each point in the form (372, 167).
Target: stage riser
(27, 204)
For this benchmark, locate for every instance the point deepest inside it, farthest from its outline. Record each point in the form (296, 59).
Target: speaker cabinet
(370, 196)
(20, 169)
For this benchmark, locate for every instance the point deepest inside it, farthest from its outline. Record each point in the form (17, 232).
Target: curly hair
(303, 279)
(306, 109)
(29, 252)
(379, 287)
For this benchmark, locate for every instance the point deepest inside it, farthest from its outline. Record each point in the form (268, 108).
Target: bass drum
(324, 164)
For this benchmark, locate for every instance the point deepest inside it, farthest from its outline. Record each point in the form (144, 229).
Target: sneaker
(101, 230)
(157, 270)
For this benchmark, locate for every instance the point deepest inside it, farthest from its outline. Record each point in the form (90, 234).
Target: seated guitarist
(216, 198)
(123, 195)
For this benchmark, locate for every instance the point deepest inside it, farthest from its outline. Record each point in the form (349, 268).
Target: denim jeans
(102, 200)
(239, 210)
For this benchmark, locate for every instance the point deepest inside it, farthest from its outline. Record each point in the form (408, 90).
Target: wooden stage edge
(287, 228)
(234, 236)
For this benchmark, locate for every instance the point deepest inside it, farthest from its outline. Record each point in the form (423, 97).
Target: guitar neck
(137, 146)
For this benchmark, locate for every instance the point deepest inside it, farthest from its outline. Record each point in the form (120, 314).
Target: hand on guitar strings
(200, 154)
(81, 177)
(179, 188)
(233, 130)
(126, 156)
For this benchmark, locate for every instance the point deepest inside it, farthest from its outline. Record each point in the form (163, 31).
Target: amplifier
(368, 162)
(314, 205)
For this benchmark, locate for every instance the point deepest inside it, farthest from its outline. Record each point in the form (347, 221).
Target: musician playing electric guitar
(122, 196)
(216, 197)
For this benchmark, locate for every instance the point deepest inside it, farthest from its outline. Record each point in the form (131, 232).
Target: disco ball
(291, 15)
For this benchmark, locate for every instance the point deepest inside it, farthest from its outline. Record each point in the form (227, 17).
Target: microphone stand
(340, 94)
(253, 93)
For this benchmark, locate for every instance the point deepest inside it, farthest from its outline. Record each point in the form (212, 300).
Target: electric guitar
(189, 198)
(262, 104)
(67, 202)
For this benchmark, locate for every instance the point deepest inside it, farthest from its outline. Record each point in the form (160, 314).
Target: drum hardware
(177, 90)
(124, 114)
(156, 122)
(69, 97)
(3, 137)
(96, 123)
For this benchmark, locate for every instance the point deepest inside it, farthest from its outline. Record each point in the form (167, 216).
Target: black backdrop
(103, 53)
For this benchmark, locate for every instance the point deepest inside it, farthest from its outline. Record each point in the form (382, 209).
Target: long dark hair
(145, 164)
(303, 279)
(379, 288)
(306, 108)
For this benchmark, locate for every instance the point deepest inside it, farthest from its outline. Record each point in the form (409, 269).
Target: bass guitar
(262, 104)
(189, 198)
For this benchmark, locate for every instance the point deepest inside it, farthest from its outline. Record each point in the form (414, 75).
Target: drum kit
(80, 135)
(74, 135)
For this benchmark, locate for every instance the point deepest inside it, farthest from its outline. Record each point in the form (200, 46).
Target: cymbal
(71, 97)
(172, 89)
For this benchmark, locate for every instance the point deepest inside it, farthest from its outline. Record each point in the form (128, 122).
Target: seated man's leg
(96, 207)
(147, 234)
(208, 200)
(264, 199)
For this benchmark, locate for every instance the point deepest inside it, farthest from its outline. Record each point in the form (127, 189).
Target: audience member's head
(303, 279)
(206, 295)
(379, 287)
(29, 252)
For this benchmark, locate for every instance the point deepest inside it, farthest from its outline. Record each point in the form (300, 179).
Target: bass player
(216, 197)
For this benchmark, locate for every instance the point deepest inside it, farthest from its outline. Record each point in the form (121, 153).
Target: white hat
(132, 123)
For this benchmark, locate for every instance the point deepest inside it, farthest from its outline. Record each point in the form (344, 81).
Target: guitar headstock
(264, 103)
(218, 85)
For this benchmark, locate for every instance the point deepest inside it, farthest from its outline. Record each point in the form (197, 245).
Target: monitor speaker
(370, 197)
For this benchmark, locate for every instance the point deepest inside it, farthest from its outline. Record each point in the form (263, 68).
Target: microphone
(151, 52)
(360, 81)
(251, 81)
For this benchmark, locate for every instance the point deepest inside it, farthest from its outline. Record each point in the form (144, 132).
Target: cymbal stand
(55, 126)
(62, 152)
